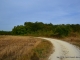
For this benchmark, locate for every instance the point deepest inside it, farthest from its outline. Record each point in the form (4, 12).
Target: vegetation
(41, 29)
(48, 30)
(5, 33)
(73, 40)
(23, 48)
(43, 50)
(28, 48)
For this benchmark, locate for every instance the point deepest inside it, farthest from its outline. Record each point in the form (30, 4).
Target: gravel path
(63, 50)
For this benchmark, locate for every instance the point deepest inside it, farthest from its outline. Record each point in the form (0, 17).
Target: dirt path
(63, 50)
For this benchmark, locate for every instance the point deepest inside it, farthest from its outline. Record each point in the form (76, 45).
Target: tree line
(44, 29)
(5, 32)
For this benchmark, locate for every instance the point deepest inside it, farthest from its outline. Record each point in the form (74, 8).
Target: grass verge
(24, 48)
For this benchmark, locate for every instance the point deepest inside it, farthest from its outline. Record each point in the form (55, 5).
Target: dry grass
(43, 50)
(73, 40)
(23, 47)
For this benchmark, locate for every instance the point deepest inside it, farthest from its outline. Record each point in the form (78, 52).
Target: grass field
(24, 48)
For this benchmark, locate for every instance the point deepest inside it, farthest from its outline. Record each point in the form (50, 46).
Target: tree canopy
(43, 29)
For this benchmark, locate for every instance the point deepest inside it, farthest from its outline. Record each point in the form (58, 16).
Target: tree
(19, 30)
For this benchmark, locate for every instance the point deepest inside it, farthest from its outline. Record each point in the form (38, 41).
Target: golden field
(24, 47)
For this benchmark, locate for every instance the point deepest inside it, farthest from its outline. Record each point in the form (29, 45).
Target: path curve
(63, 50)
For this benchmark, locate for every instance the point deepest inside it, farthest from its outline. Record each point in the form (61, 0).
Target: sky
(16, 12)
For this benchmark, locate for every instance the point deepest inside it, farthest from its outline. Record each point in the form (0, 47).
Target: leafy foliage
(5, 33)
(41, 29)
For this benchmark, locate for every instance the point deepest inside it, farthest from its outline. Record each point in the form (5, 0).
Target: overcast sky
(16, 12)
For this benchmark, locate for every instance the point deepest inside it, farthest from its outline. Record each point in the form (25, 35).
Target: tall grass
(22, 47)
